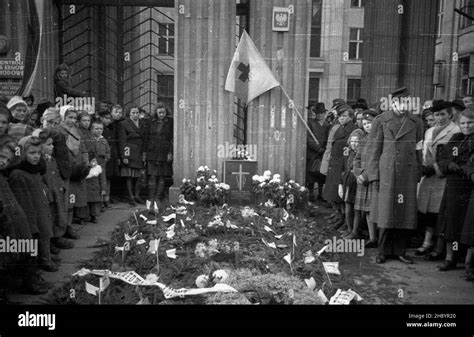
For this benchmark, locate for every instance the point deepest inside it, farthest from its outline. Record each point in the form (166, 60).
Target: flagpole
(301, 117)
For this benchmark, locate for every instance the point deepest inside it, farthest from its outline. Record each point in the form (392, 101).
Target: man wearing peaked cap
(394, 169)
(337, 102)
(400, 92)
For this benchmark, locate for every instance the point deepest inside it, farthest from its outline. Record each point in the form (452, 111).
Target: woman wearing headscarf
(18, 127)
(79, 159)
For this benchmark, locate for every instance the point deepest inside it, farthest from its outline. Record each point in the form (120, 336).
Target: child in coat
(102, 155)
(27, 184)
(348, 185)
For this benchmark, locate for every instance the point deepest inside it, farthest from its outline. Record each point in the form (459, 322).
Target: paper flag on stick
(294, 239)
(143, 217)
(155, 207)
(322, 250)
(332, 267)
(169, 217)
(322, 296)
(148, 204)
(93, 290)
(279, 236)
(269, 244)
(118, 249)
(171, 253)
(170, 232)
(311, 283)
(288, 258)
(268, 229)
(152, 222)
(153, 247)
(104, 282)
(182, 223)
(141, 242)
(269, 220)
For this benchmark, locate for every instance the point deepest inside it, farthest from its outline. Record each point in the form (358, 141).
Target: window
(355, 44)
(356, 3)
(315, 45)
(166, 39)
(465, 83)
(313, 88)
(165, 90)
(353, 90)
(439, 23)
(467, 6)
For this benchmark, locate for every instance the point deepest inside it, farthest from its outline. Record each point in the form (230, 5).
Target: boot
(61, 243)
(94, 219)
(44, 256)
(71, 233)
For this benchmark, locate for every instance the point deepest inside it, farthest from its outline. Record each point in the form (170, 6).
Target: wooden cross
(240, 176)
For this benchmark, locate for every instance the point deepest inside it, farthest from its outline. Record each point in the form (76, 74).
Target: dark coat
(348, 179)
(61, 154)
(336, 162)
(27, 184)
(131, 143)
(111, 135)
(158, 140)
(77, 189)
(94, 187)
(313, 149)
(458, 187)
(57, 197)
(14, 222)
(363, 193)
(467, 235)
(62, 87)
(86, 137)
(395, 161)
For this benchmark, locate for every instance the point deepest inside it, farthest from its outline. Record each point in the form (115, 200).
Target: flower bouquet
(273, 193)
(205, 188)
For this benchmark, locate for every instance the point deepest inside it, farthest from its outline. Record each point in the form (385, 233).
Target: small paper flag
(93, 290)
(129, 238)
(279, 236)
(143, 217)
(155, 207)
(171, 253)
(169, 217)
(268, 229)
(332, 267)
(182, 223)
(288, 258)
(269, 244)
(322, 296)
(148, 204)
(153, 246)
(270, 221)
(311, 283)
(152, 222)
(141, 242)
(104, 282)
(117, 248)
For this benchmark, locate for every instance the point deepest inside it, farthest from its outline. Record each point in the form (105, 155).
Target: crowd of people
(58, 166)
(390, 170)
(398, 173)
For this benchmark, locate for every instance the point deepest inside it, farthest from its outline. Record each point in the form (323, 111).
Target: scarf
(438, 128)
(32, 169)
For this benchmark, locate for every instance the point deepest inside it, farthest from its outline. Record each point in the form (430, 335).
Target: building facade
(336, 54)
(454, 57)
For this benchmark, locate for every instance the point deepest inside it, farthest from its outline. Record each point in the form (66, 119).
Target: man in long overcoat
(395, 166)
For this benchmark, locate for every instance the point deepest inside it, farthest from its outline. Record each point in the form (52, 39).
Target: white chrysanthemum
(184, 181)
(202, 281)
(276, 176)
(261, 179)
(267, 173)
(255, 178)
(200, 169)
(220, 276)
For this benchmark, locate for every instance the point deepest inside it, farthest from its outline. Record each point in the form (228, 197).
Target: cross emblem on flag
(249, 75)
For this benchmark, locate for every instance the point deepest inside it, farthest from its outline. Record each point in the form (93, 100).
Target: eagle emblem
(281, 19)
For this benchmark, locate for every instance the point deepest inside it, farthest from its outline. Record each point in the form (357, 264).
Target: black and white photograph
(204, 159)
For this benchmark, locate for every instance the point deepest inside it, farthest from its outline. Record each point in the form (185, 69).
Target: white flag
(171, 253)
(249, 75)
(93, 290)
(153, 247)
(332, 267)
